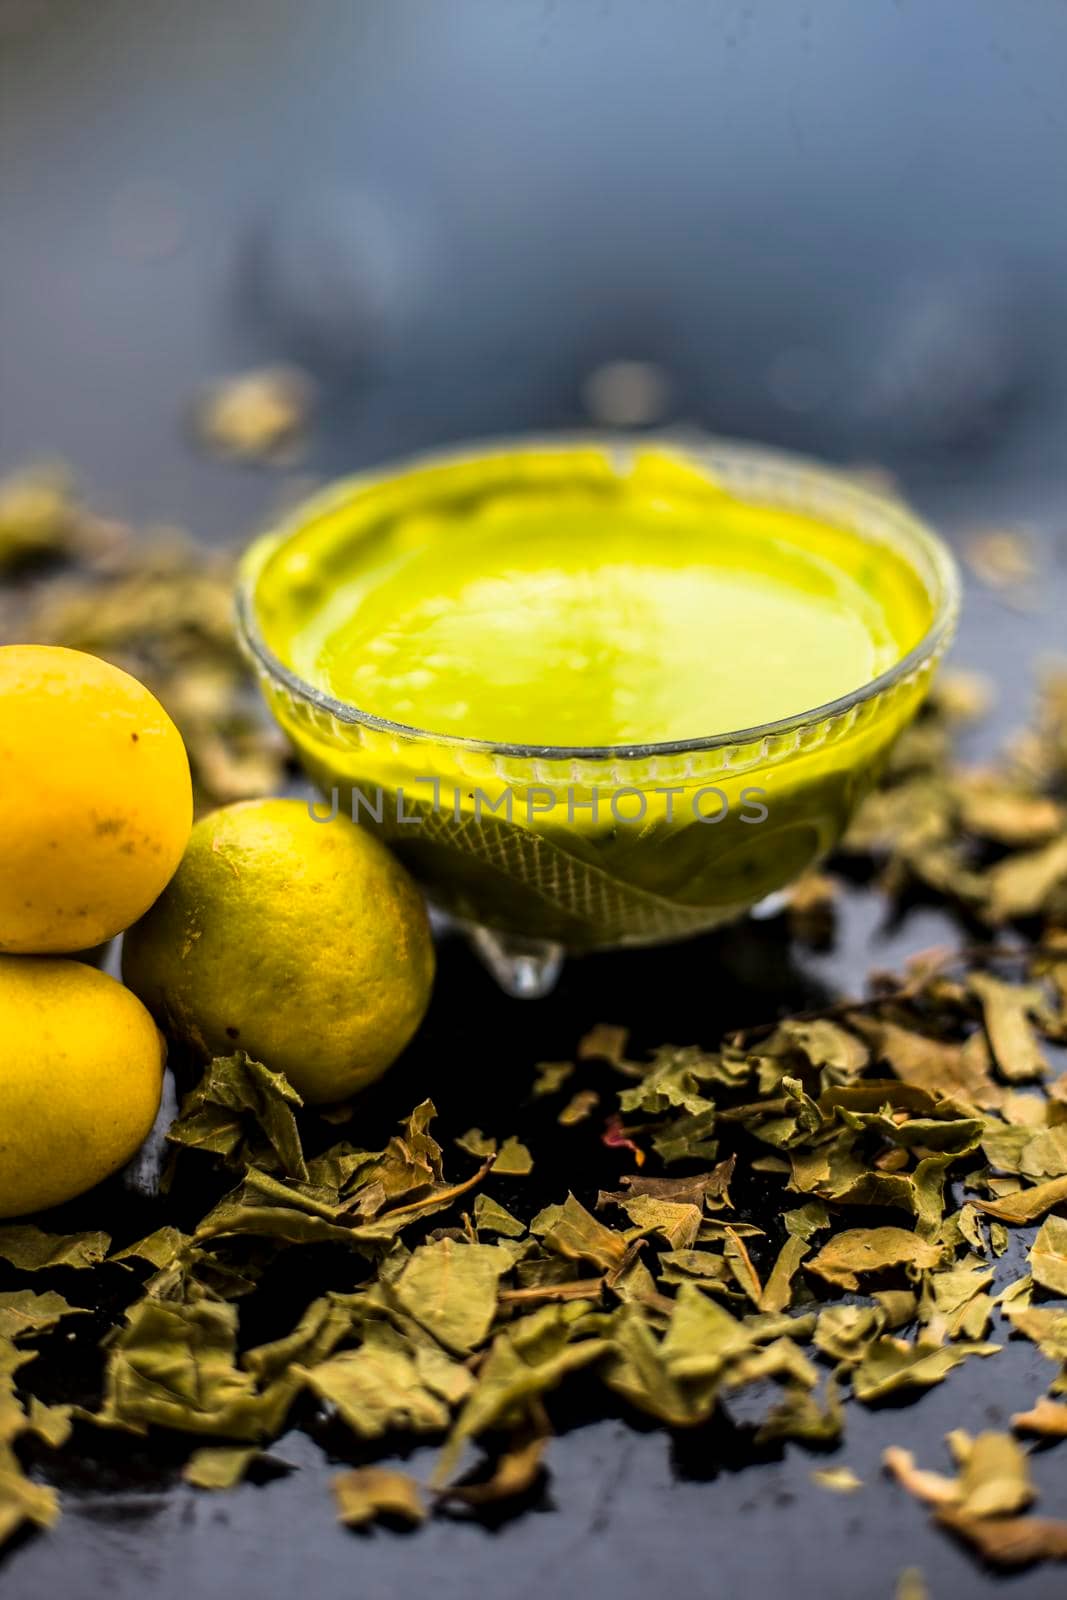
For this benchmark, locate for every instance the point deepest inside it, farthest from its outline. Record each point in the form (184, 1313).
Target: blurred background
(831, 225)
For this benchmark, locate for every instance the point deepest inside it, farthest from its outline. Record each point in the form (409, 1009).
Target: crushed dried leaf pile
(411, 1290)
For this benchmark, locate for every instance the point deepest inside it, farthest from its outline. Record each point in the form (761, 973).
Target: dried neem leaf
(1007, 1009)
(513, 1160)
(842, 1480)
(952, 1301)
(526, 1359)
(1023, 884)
(516, 1469)
(911, 1585)
(256, 416)
(823, 1044)
(1032, 1152)
(243, 1111)
(174, 1366)
(1003, 558)
(21, 1500)
(160, 1249)
(699, 1266)
(290, 1214)
(1047, 1417)
(898, 1306)
(1010, 1541)
(31, 1250)
(1048, 1255)
(744, 1272)
(605, 1042)
(995, 1480)
(1046, 1327)
(846, 1332)
(380, 1386)
(845, 1258)
(891, 1364)
(778, 1291)
(23, 1313)
(490, 1217)
(550, 1077)
(932, 1488)
(708, 1189)
(1027, 1205)
(368, 1492)
(811, 909)
(40, 519)
(800, 1415)
(676, 1223)
(476, 1143)
(572, 1231)
(219, 1466)
(688, 1138)
(671, 1082)
(676, 1382)
(451, 1290)
(943, 1069)
(578, 1108)
(1005, 813)
(806, 1221)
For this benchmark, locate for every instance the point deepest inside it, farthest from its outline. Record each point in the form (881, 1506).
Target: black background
(835, 226)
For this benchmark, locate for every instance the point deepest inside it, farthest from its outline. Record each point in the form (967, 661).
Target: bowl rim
(741, 458)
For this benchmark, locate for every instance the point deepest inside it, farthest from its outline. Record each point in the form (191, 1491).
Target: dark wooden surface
(490, 201)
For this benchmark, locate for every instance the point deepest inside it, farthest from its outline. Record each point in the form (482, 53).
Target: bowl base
(526, 969)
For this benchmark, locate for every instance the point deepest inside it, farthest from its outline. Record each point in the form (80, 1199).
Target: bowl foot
(527, 969)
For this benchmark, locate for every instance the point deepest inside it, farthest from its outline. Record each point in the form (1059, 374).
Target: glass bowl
(540, 851)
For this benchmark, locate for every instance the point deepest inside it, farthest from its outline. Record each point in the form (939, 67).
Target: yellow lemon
(95, 799)
(81, 1074)
(304, 943)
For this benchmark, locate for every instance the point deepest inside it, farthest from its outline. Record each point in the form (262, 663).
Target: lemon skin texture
(95, 799)
(81, 1075)
(304, 943)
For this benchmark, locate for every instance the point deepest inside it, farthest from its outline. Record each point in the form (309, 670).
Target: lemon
(81, 1074)
(303, 942)
(95, 799)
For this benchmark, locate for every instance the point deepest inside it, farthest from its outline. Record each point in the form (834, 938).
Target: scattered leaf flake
(513, 1160)
(1010, 1541)
(550, 1077)
(219, 1466)
(476, 1143)
(841, 1480)
(605, 1042)
(932, 1488)
(911, 1585)
(256, 416)
(1048, 1417)
(365, 1493)
(578, 1108)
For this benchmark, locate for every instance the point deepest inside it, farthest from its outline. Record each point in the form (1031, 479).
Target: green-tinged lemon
(303, 942)
(81, 1073)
